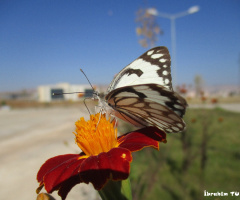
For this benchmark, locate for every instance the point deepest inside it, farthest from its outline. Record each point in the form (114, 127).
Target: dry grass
(35, 104)
(208, 100)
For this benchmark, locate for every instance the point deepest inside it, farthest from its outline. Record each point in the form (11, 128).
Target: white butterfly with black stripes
(142, 93)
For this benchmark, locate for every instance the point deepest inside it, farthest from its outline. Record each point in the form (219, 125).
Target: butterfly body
(142, 93)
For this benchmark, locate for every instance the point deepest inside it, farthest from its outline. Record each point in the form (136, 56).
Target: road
(27, 139)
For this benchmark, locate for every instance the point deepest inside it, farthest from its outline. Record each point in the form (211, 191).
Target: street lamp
(173, 17)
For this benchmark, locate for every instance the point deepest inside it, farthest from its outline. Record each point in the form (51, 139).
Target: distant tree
(147, 28)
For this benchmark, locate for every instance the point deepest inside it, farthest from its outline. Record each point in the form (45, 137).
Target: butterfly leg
(84, 101)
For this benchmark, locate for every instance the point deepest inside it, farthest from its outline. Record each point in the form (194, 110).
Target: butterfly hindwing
(149, 105)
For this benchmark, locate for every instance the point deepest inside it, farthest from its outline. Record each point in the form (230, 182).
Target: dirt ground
(28, 137)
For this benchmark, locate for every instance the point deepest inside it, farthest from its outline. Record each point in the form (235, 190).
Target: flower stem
(116, 190)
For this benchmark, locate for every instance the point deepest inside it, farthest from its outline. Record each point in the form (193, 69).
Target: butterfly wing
(153, 67)
(149, 105)
(142, 93)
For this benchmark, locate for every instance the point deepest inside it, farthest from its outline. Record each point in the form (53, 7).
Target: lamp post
(173, 17)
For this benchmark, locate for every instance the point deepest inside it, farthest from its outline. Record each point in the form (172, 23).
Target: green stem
(116, 190)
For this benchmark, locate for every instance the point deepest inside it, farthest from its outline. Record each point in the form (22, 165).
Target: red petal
(58, 169)
(114, 164)
(67, 185)
(145, 137)
(52, 163)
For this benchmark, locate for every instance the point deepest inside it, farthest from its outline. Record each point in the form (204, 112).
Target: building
(45, 92)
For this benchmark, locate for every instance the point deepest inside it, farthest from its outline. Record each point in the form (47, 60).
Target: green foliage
(116, 190)
(204, 157)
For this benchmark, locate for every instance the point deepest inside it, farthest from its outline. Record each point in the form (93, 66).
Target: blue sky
(47, 42)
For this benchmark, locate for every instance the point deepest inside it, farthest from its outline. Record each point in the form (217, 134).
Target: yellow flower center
(95, 135)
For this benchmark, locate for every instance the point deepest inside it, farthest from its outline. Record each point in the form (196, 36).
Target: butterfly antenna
(87, 79)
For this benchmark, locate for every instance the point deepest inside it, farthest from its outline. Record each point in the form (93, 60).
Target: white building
(45, 92)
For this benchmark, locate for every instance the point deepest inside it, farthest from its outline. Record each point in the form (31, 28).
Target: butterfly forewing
(151, 67)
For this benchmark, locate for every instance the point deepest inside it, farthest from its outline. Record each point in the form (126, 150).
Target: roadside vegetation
(204, 157)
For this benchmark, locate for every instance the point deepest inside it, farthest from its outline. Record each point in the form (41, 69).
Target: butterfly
(142, 93)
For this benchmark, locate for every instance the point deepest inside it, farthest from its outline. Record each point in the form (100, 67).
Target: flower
(204, 99)
(182, 89)
(220, 119)
(214, 100)
(104, 156)
(193, 120)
